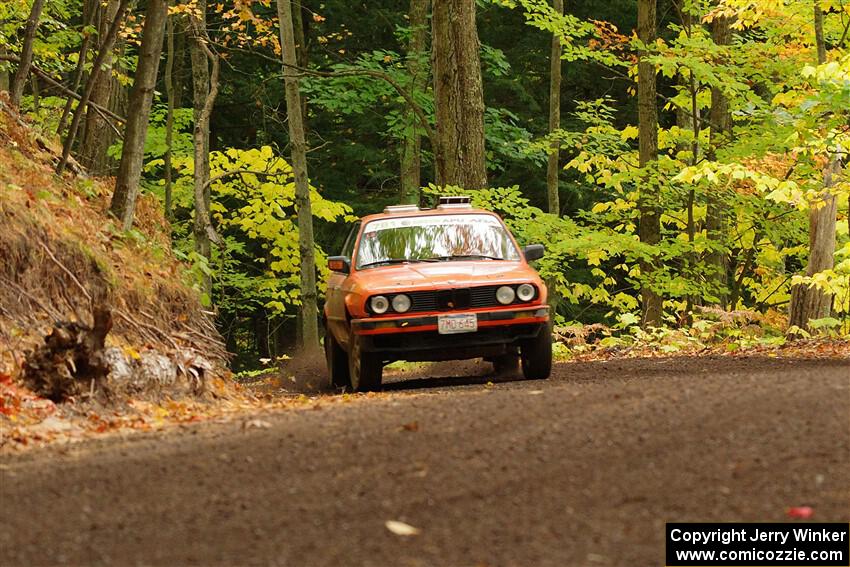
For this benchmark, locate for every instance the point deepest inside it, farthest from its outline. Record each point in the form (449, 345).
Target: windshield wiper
(390, 261)
(468, 257)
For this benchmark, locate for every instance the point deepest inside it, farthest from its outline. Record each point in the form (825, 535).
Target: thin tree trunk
(459, 95)
(201, 135)
(89, 10)
(553, 168)
(720, 119)
(650, 211)
(169, 117)
(820, 43)
(4, 74)
(690, 120)
(807, 302)
(96, 138)
(23, 71)
(132, 155)
(36, 93)
(205, 79)
(309, 308)
(300, 31)
(301, 54)
(104, 52)
(412, 143)
(181, 28)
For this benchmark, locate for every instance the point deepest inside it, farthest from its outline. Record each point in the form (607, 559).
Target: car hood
(446, 274)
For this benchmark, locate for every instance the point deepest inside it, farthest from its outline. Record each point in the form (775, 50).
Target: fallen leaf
(258, 423)
(132, 353)
(800, 512)
(412, 426)
(400, 528)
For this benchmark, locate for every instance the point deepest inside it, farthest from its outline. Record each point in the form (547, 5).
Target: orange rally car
(424, 285)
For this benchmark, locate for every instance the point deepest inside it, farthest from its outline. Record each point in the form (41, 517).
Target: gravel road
(582, 469)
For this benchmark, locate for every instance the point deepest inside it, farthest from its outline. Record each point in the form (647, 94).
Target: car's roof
(429, 213)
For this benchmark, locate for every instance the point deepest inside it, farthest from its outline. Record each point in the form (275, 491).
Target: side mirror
(533, 252)
(341, 264)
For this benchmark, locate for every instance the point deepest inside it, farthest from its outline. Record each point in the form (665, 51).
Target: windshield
(434, 238)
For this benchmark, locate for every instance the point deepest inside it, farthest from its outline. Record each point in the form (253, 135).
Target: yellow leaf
(132, 353)
(629, 133)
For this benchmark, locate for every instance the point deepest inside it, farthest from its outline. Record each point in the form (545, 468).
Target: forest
(682, 161)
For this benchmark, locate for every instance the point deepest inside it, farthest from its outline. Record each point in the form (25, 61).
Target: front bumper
(416, 338)
(412, 324)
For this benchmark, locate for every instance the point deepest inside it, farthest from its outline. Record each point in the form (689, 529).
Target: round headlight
(505, 295)
(401, 303)
(379, 304)
(525, 292)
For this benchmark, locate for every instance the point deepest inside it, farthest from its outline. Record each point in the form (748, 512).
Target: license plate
(453, 324)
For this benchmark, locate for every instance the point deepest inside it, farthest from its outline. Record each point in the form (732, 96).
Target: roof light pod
(400, 209)
(455, 202)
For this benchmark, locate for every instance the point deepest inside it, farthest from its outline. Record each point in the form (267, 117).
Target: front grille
(453, 299)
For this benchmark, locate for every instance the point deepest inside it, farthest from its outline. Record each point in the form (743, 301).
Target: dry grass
(61, 254)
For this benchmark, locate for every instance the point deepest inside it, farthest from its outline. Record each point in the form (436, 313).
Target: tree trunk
(36, 94)
(206, 90)
(181, 29)
(820, 43)
(412, 142)
(650, 213)
(23, 71)
(4, 74)
(201, 135)
(103, 54)
(459, 95)
(690, 119)
(720, 119)
(309, 309)
(130, 170)
(97, 136)
(300, 31)
(807, 302)
(553, 168)
(301, 55)
(89, 10)
(169, 117)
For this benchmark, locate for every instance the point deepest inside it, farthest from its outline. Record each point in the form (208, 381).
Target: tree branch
(44, 75)
(420, 114)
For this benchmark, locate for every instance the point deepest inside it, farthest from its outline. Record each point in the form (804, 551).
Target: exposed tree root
(70, 360)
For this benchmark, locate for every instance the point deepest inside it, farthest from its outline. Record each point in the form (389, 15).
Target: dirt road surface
(582, 469)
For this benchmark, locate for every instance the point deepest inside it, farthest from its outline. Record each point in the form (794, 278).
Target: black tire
(365, 369)
(337, 362)
(536, 355)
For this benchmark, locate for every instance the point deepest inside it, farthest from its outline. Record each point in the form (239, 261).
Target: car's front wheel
(364, 368)
(337, 362)
(536, 355)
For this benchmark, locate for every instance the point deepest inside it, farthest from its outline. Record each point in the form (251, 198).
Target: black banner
(759, 545)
